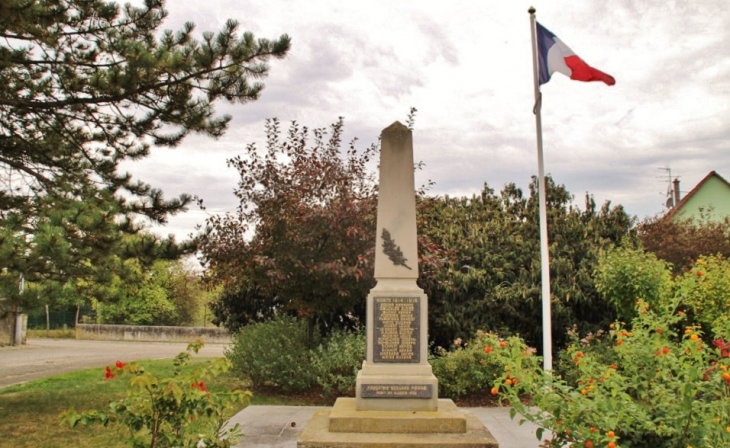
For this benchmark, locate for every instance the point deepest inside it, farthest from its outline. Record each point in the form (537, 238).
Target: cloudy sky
(466, 66)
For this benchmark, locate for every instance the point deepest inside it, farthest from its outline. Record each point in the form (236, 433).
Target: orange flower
(610, 434)
(487, 349)
(503, 344)
(611, 445)
(495, 391)
(589, 444)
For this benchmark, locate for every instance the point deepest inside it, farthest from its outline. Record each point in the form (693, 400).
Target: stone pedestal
(396, 403)
(346, 427)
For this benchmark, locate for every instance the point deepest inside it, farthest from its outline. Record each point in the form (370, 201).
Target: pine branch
(393, 251)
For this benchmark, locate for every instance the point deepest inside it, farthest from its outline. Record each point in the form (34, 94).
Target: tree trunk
(48, 322)
(310, 331)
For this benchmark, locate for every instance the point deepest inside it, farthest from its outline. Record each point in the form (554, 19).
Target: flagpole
(547, 337)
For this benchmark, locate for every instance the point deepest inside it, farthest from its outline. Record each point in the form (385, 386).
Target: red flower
(199, 385)
(108, 373)
(120, 365)
(723, 346)
(699, 273)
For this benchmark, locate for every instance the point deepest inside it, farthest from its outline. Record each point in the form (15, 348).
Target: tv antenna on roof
(669, 194)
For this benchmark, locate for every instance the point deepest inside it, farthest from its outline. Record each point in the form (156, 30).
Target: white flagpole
(547, 337)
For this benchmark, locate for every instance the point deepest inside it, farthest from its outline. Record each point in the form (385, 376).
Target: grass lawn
(29, 413)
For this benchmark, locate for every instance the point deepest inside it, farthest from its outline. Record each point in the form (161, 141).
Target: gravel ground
(46, 357)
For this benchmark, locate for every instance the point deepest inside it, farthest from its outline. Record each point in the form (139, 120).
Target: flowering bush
(706, 290)
(663, 388)
(171, 412)
(472, 366)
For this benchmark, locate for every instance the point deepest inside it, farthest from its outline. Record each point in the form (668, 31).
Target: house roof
(674, 210)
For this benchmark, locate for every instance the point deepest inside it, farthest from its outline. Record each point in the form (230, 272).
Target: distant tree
(163, 294)
(493, 280)
(302, 236)
(87, 85)
(682, 242)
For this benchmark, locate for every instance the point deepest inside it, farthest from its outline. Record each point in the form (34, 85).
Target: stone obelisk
(396, 403)
(396, 374)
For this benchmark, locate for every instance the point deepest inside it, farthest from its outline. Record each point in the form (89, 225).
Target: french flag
(555, 56)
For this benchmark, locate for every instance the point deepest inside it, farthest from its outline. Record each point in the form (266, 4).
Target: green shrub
(470, 367)
(274, 353)
(625, 275)
(337, 361)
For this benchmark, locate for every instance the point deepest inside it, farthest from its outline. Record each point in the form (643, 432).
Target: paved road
(46, 357)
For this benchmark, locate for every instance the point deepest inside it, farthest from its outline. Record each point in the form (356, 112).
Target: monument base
(396, 393)
(346, 427)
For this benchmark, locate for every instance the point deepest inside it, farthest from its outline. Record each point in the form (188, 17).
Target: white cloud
(467, 67)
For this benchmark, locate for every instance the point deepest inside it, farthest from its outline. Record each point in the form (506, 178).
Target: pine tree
(86, 85)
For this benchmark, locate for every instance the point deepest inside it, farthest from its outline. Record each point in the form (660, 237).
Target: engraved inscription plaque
(397, 329)
(396, 390)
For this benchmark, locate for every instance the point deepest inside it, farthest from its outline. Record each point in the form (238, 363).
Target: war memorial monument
(396, 403)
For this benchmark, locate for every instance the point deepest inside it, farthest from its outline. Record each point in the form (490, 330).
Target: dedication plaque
(397, 329)
(396, 390)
